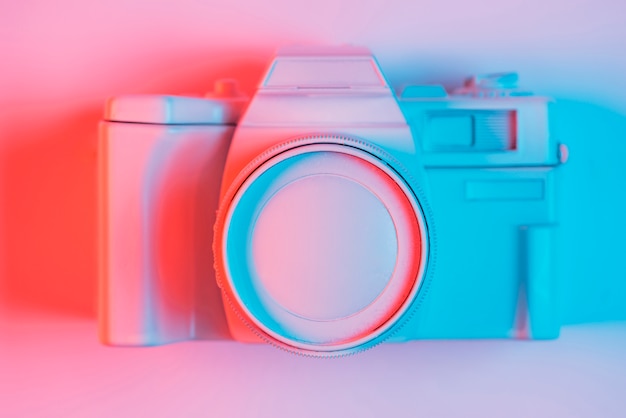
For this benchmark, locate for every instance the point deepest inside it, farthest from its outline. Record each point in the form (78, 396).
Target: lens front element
(322, 248)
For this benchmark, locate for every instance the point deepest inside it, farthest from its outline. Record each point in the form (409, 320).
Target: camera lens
(323, 248)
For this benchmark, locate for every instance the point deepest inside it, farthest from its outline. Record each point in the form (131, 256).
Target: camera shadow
(48, 186)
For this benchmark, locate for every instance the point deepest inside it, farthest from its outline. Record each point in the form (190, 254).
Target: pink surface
(61, 60)
(53, 367)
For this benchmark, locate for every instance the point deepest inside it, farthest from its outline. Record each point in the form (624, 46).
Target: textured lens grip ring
(383, 157)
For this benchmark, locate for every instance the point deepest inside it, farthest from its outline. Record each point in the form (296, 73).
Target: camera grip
(159, 187)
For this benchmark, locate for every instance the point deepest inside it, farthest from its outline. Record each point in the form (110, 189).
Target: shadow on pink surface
(48, 245)
(49, 224)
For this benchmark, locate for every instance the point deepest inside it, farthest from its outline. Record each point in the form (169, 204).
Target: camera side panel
(493, 276)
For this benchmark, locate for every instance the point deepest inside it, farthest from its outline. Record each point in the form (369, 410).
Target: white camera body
(347, 216)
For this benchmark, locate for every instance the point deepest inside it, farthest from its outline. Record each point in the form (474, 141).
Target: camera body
(347, 216)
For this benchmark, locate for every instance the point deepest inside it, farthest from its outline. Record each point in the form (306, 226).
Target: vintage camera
(332, 214)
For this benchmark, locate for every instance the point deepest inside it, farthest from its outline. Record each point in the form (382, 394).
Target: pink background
(60, 60)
